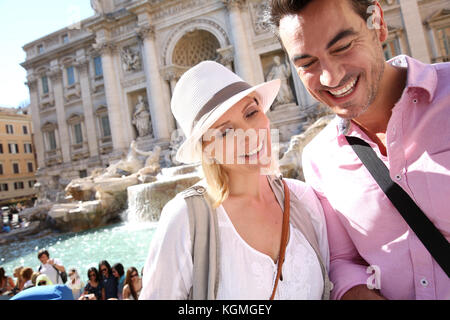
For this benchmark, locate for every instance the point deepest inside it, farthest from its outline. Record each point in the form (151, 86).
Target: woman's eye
(250, 114)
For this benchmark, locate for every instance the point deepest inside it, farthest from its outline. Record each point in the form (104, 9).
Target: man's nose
(332, 74)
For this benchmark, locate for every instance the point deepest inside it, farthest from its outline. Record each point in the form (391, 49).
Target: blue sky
(22, 21)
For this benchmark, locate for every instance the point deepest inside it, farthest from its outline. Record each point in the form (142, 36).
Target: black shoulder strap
(432, 239)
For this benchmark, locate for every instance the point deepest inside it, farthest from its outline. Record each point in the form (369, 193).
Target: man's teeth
(345, 90)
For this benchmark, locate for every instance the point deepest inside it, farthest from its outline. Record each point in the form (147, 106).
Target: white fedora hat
(203, 94)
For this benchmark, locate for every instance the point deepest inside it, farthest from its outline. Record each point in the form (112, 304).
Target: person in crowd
(240, 206)
(133, 285)
(43, 280)
(26, 274)
(34, 277)
(51, 267)
(94, 285)
(18, 286)
(398, 112)
(119, 274)
(75, 283)
(6, 283)
(108, 280)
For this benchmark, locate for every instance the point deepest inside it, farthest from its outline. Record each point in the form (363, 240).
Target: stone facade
(94, 84)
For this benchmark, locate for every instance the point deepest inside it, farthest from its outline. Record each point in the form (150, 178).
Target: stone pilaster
(158, 97)
(112, 91)
(82, 65)
(38, 140)
(414, 30)
(243, 59)
(64, 139)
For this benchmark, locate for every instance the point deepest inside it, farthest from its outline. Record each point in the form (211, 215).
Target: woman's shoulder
(298, 187)
(175, 211)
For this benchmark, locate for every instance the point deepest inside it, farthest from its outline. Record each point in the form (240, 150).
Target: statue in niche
(141, 118)
(281, 71)
(97, 5)
(130, 60)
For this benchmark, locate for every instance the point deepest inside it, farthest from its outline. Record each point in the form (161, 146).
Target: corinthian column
(113, 97)
(82, 65)
(64, 140)
(157, 92)
(243, 59)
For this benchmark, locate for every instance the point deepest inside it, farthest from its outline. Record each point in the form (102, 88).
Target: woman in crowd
(133, 285)
(19, 281)
(249, 219)
(26, 275)
(119, 274)
(94, 285)
(109, 282)
(6, 283)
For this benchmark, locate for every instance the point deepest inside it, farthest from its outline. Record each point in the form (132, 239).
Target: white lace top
(245, 273)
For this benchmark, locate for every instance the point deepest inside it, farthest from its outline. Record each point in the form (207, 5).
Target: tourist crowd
(104, 282)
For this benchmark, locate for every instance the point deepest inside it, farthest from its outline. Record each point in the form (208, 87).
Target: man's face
(338, 58)
(43, 258)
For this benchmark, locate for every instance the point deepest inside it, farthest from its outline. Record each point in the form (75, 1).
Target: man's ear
(376, 21)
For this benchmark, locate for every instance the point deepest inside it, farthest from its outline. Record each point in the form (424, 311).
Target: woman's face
(104, 271)
(240, 138)
(115, 273)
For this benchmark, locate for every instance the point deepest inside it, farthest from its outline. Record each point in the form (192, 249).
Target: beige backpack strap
(204, 232)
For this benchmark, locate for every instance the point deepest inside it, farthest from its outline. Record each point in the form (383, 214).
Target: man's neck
(375, 120)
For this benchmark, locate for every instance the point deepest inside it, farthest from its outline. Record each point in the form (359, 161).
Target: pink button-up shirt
(370, 243)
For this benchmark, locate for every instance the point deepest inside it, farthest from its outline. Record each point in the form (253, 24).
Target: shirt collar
(419, 75)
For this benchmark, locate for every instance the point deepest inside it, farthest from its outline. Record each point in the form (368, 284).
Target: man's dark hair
(43, 251)
(280, 8)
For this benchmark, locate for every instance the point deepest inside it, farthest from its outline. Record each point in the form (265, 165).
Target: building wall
(144, 48)
(19, 184)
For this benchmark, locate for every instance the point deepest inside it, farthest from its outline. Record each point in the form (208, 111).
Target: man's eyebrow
(341, 35)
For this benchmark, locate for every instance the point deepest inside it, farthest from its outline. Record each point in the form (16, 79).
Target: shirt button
(398, 177)
(424, 282)
(415, 100)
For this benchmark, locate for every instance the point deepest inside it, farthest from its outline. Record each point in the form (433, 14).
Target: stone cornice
(234, 4)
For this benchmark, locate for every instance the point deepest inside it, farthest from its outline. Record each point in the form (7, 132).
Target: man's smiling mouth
(346, 90)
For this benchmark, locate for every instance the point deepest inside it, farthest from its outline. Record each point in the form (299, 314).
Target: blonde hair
(217, 181)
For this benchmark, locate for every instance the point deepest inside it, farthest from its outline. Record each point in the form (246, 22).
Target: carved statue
(130, 60)
(141, 118)
(97, 6)
(151, 165)
(41, 194)
(176, 140)
(281, 71)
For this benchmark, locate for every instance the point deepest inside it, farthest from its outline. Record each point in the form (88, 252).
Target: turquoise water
(126, 243)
